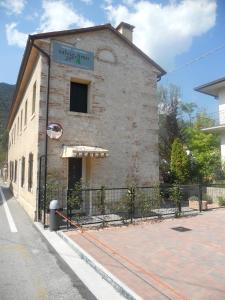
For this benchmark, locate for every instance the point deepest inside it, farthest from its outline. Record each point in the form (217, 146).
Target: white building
(216, 89)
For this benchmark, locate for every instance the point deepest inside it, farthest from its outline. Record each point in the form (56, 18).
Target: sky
(185, 37)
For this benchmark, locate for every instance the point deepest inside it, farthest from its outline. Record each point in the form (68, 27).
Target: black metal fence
(103, 205)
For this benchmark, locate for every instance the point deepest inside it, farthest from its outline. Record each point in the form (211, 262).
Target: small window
(78, 97)
(15, 173)
(34, 98)
(25, 114)
(12, 177)
(21, 120)
(30, 172)
(22, 171)
(11, 170)
(18, 125)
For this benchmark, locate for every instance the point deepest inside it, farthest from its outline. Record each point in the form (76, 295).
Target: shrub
(100, 203)
(180, 162)
(221, 201)
(193, 198)
(208, 198)
(74, 197)
(176, 196)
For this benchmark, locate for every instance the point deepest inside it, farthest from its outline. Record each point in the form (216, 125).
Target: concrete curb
(101, 289)
(119, 286)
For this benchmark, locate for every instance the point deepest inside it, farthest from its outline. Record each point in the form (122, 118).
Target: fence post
(102, 200)
(200, 197)
(179, 204)
(102, 204)
(67, 209)
(132, 200)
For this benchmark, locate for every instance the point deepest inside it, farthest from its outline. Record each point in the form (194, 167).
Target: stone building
(99, 88)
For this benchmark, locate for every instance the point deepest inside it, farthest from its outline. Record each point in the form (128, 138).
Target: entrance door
(74, 171)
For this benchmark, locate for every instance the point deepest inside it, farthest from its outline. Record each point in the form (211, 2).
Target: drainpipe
(46, 124)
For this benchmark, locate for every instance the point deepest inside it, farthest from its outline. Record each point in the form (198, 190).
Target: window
(30, 172)
(22, 171)
(12, 175)
(11, 170)
(34, 98)
(15, 173)
(18, 125)
(21, 120)
(25, 114)
(78, 97)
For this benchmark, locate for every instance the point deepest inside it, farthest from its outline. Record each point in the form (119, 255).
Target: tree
(170, 126)
(180, 162)
(169, 129)
(204, 148)
(189, 108)
(3, 146)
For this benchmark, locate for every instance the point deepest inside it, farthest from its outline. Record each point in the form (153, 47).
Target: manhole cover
(181, 229)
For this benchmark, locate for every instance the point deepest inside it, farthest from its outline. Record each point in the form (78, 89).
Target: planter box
(195, 205)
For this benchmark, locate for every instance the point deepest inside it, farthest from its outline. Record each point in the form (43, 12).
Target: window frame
(15, 171)
(84, 83)
(34, 96)
(21, 121)
(25, 114)
(23, 162)
(30, 171)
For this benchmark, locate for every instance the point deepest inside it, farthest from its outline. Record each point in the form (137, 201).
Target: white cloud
(165, 31)
(60, 15)
(57, 15)
(15, 37)
(13, 6)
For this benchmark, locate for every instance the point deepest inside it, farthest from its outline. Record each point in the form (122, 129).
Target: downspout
(46, 126)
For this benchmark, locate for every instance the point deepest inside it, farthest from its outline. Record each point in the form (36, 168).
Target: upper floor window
(78, 97)
(18, 125)
(14, 134)
(22, 171)
(34, 98)
(25, 114)
(21, 120)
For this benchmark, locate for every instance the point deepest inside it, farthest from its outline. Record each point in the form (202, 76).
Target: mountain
(6, 94)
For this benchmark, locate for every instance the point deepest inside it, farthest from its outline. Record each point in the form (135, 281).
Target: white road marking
(8, 214)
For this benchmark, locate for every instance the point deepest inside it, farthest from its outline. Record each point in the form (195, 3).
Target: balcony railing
(212, 120)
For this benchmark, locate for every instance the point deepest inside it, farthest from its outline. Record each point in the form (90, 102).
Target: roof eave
(201, 90)
(210, 85)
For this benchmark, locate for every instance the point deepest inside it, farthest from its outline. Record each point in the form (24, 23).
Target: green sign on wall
(72, 56)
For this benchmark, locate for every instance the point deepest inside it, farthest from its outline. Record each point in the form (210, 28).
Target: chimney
(126, 30)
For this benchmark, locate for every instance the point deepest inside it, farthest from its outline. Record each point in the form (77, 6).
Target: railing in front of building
(212, 120)
(121, 205)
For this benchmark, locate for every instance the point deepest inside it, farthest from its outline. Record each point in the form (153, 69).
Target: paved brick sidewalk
(158, 262)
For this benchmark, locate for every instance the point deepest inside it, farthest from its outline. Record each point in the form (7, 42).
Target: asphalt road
(29, 268)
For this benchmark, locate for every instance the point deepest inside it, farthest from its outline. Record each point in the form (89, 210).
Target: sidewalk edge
(124, 290)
